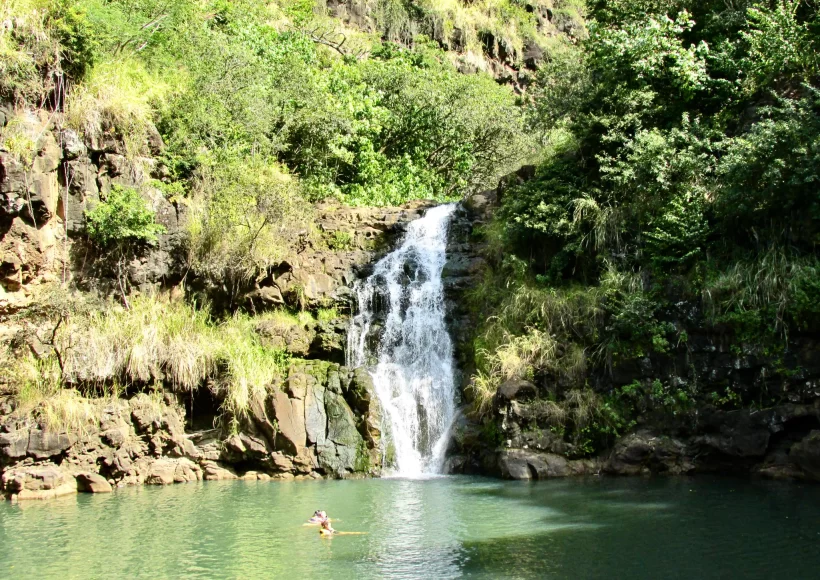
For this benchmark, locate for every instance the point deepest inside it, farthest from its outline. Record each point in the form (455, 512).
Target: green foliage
(677, 190)
(245, 216)
(782, 46)
(394, 128)
(123, 217)
(340, 240)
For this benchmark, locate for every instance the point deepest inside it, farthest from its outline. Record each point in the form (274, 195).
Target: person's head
(318, 513)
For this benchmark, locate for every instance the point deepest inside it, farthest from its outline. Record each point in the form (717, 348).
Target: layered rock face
(508, 61)
(322, 421)
(42, 203)
(352, 238)
(781, 442)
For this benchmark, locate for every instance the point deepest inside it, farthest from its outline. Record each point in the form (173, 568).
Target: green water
(440, 528)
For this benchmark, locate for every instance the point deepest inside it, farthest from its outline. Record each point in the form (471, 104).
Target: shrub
(246, 215)
(124, 217)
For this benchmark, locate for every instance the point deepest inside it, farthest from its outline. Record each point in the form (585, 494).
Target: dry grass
(39, 394)
(517, 358)
(152, 343)
(118, 95)
(541, 330)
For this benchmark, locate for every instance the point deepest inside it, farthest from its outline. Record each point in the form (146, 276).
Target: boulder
(315, 415)
(187, 471)
(13, 445)
(515, 389)
(92, 483)
(45, 444)
(44, 481)
(162, 472)
(525, 464)
(281, 462)
(214, 471)
(806, 454)
(339, 454)
(644, 452)
(290, 415)
(168, 471)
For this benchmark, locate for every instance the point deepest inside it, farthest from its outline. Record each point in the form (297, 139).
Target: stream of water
(447, 527)
(400, 334)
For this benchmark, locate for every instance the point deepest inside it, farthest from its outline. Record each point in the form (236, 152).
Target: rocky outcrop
(44, 193)
(92, 483)
(779, 442)
(322, 421)
(350, 240)
(471, 47)
(526, 464)
(43, 481)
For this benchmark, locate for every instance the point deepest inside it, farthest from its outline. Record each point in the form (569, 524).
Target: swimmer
(325, 529)
(317, 517)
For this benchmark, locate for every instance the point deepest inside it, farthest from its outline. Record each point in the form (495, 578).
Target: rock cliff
(323, 421)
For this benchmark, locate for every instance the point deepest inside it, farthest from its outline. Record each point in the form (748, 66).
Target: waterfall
(399, 333)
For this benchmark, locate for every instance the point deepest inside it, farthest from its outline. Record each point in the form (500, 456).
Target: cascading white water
(400, 334)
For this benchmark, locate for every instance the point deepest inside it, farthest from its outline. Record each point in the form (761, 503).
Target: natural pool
(439, 528)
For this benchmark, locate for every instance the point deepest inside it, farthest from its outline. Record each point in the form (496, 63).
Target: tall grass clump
(175, 344)
(117, 96)
(249, 368)
(775, 282)
(543, 333)
(38, 392)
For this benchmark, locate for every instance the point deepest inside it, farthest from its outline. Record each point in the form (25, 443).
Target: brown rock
(92, 483)
(38, 482)
(525, 464)
(213, 471)
(45, 444)
(806, 454)
(290, 414)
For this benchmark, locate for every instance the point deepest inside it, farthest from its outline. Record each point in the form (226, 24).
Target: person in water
(317, 517)
(325, 529)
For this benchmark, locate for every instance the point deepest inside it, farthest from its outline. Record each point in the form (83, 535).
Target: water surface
(439, 528)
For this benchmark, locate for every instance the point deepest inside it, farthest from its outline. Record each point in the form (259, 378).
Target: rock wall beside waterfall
(781, 440)
(322, 421)
(42, 226)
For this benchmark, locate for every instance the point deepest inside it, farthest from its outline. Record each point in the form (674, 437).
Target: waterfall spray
(401, 336)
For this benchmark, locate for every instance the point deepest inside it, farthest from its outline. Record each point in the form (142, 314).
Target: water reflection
(403, 542)
(441, 528)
